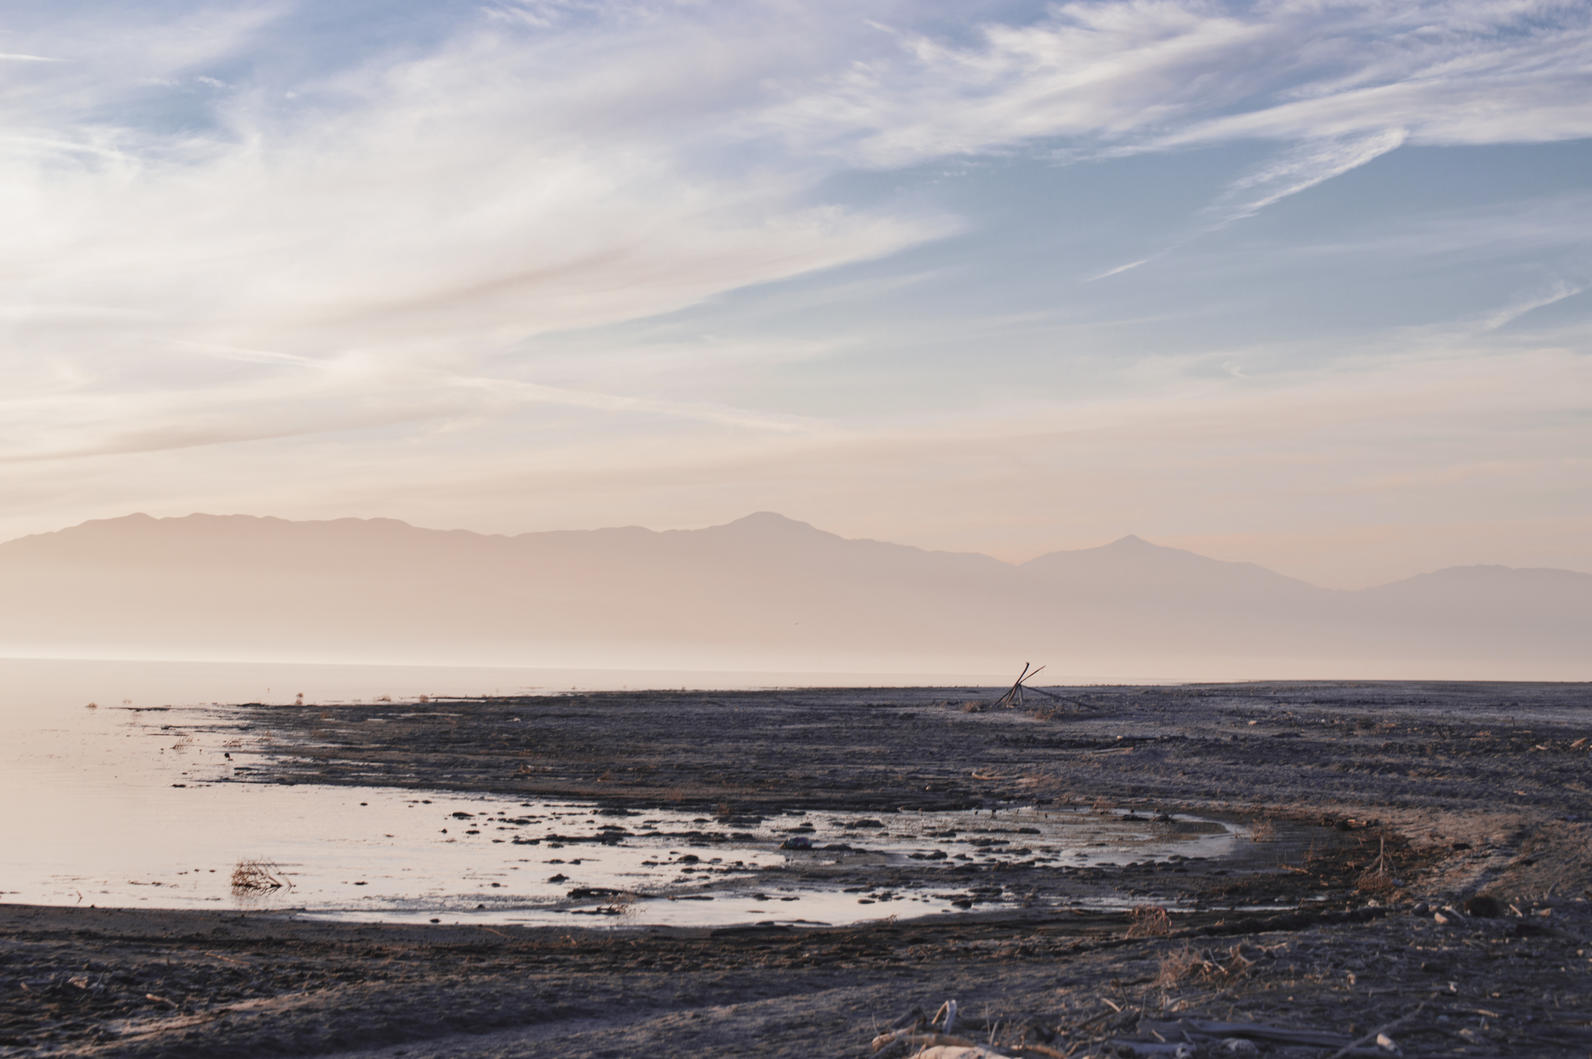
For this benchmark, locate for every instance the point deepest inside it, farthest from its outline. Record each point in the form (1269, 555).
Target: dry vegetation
(258, 877)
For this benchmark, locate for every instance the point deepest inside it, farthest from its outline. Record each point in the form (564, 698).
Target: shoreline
(1431, 844)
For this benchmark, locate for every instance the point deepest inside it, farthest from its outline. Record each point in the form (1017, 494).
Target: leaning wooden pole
(1014, 694)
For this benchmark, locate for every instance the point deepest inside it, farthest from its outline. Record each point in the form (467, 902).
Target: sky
(1302, 282)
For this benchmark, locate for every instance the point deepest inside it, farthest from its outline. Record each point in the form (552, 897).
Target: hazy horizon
(1301, 284)
(764, 593)
(752, 515)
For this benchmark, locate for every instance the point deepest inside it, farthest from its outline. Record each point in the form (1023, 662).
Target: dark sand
(1426, 850)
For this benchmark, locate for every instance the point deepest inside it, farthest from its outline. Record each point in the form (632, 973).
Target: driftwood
(919, 1033)
(914, 1036)
(1045, 1050)
(1151, 1050)
(258, 877)
(914, 1030)
(1014, 694)
(890, 1037)
(1201, 1030)
(1379, 1036)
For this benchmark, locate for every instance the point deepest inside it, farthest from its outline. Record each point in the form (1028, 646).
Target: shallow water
(107, 807)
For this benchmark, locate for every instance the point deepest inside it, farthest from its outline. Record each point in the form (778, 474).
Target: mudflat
(1414, 868)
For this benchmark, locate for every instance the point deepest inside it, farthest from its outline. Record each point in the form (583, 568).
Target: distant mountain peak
(769, 521)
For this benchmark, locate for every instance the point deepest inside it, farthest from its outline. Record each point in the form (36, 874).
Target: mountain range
(761, 593)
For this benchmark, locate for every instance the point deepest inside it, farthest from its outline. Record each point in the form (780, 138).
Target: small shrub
(1149, 921)
(1377, 878)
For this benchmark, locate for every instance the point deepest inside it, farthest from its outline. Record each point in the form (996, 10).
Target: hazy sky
(1299, 281)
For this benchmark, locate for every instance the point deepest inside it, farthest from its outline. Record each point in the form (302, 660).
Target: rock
(586, 892)
(1485, 906)
(797, 842)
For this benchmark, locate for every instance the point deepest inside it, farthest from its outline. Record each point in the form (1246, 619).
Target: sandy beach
(1414, 860)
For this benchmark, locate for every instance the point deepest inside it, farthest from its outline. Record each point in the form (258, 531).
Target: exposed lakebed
(156, 807)
(1410, 848)
(372, 853)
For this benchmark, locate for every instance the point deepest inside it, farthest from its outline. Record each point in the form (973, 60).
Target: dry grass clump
(1376, 884)
(1149, 921)
(1263, 829)
(1194, 965)
(253, 877)
(1377, 879)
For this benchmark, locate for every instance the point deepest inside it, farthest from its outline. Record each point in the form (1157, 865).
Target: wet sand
(1418, 849)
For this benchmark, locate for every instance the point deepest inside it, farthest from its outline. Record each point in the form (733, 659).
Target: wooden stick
(1371, 1038)
(1045, 1050)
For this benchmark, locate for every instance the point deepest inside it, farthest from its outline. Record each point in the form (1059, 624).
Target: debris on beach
(917, 1037)
(253, 877)
(1014, 694)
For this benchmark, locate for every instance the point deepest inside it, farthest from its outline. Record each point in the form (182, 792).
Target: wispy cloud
(1555, 293)
(1299, 169)
(1120, 269)
(257, 233)
(1334, 86)
(1154, 74)
(428, 210)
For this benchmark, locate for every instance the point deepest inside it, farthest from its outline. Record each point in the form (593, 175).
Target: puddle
(379, 854)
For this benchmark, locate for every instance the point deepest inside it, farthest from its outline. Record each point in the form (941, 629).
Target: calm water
(105, 806)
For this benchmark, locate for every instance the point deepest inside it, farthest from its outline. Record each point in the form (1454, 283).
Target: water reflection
(121, 806)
